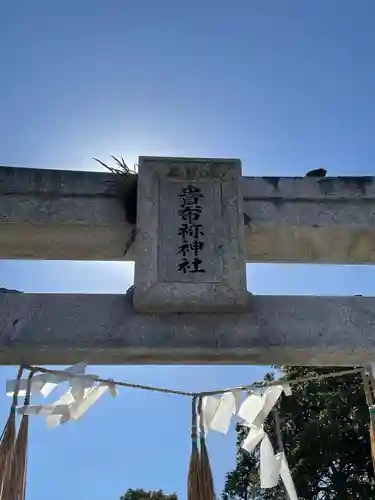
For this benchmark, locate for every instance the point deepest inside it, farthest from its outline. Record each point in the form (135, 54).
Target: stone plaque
(190, 242)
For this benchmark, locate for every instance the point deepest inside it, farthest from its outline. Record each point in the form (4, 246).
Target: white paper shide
(254, 411)
(82, 394)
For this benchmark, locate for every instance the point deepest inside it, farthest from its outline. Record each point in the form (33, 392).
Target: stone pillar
(190, 236)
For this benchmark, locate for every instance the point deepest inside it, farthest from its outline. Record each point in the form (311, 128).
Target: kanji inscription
(190, 231)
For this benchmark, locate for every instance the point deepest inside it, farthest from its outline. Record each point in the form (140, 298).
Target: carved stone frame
(226, 294)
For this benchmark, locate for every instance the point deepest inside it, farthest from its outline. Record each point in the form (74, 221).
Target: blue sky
(284, 85)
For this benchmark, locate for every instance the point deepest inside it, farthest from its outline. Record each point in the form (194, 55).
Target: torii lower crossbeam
(105, 329)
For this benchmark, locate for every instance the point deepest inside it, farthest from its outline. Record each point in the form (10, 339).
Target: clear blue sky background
(284, 85)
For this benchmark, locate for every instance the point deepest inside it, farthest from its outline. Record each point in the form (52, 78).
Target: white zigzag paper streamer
(272, 466)
(44, 383)
(218, 413)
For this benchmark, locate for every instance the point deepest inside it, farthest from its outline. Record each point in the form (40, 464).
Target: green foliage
(147, 495)
(325, 429)
(126, 182)
(121, 168)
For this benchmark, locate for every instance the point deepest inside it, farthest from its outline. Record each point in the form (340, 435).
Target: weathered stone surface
(61, 215)
(55, 214)
(317, 220)
(105, 329)
(190, 242)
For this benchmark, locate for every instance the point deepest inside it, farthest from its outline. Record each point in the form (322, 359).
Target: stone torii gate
(199, 222)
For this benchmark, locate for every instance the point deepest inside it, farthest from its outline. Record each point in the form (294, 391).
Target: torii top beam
(74, 215)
